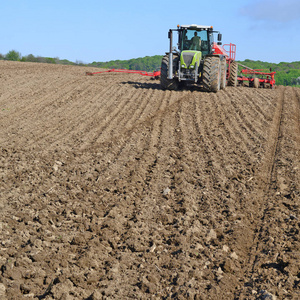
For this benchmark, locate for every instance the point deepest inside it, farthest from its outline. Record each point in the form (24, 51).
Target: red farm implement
(257, 78)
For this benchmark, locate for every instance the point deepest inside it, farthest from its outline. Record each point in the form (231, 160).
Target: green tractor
(198, 60)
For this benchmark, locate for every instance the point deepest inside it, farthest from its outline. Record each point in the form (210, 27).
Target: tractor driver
(196, 42)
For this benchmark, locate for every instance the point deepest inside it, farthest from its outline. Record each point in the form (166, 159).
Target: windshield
(195, 40)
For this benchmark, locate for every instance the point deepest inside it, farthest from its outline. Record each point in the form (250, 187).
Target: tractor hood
(189, 58)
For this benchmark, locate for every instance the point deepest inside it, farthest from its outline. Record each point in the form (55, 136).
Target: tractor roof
(194, 26)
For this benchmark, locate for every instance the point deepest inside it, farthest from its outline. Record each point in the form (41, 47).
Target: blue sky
(96, 30)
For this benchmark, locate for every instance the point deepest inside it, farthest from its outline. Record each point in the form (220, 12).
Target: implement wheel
(256, 83)
(211, 74)
(165, 83)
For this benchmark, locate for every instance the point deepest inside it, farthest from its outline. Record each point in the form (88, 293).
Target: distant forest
(286, 73)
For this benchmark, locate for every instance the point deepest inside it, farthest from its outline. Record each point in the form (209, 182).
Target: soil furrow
(236, 126)
(271, 146)
(264, 194)
(248, 122)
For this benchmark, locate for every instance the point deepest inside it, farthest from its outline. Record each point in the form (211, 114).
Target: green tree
(30, 57)
(13, 55)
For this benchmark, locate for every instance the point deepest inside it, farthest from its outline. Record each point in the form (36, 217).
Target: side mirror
(219, 37)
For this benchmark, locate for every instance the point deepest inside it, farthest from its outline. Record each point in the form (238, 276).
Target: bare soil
(111, 188)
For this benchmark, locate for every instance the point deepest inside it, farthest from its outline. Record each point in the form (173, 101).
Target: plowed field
(111, 188)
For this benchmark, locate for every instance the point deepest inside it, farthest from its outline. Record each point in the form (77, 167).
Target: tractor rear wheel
(211, 74)
(232, 80)
(165, 83)
(223, 74)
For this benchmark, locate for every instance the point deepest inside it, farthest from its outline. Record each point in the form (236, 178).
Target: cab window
(187, 36)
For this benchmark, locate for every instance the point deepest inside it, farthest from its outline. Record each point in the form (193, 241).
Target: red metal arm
(143, 73)
(228, 50)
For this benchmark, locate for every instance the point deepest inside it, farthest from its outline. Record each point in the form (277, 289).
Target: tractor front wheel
(211, 74)
(165, 83)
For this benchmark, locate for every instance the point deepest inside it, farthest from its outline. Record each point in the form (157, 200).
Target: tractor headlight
(182, 66)
(192, 67)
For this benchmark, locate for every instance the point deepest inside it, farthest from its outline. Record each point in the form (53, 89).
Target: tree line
(14, 55)
(287, 73)
(147, 63)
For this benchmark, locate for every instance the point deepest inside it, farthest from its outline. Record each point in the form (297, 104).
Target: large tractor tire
(223, 73)
(232, 80)
(211, 76)
(165, 83)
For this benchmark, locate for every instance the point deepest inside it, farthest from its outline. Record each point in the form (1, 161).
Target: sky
(95, 30)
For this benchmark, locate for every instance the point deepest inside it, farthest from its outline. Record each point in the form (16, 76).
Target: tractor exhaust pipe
(170, 75)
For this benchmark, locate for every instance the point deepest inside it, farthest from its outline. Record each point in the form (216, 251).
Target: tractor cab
(197, 38)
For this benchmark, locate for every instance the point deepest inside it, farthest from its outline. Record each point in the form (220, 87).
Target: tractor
(199, 60)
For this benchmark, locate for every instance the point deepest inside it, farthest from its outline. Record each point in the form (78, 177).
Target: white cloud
(276, 10)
